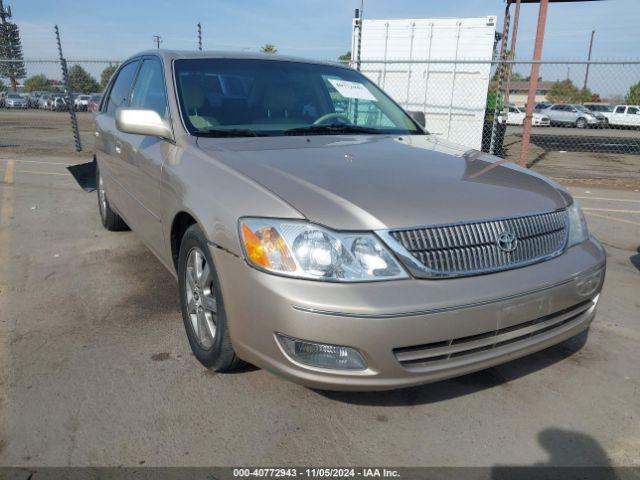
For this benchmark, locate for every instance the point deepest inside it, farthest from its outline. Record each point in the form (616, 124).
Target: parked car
(15, 100)
(58, 104)
(516, 115)
(340, 250)
(604, 109)
(45, 100)
(625, 116)
(573, 115)
(2, 99)
(32, 99)
(94, 102)
(81, 102)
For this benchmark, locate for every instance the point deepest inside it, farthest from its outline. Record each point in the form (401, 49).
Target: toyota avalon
(318, 231)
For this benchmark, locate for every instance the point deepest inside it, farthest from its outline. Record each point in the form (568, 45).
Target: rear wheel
(110, 219)
(581, 123)
(202, 306)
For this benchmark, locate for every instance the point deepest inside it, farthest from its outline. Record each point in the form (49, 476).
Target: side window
(148, 91)
(620, 109)
(119, 94)
(633, 110)
(557, 107)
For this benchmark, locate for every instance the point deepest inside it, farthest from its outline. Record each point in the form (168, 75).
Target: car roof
(170, 55)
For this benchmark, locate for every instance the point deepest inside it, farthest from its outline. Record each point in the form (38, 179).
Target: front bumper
(410, 331)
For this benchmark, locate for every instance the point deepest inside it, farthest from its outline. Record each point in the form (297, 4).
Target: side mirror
(142, 122)
(418, 117)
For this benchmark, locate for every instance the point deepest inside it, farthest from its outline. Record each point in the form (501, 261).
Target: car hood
(376, 182)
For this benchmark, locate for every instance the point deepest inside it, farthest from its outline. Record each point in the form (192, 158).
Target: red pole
(533, 82)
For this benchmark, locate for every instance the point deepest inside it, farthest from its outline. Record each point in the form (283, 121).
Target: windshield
(238, 97)
(582, 108)
(13, 95)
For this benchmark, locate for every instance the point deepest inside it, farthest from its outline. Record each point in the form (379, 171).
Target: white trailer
(452, 95)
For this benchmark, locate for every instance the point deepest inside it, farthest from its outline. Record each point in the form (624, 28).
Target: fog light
(322, 355)
(589, 284)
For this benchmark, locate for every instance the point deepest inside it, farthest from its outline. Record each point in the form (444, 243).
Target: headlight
(304, 250)
(578, 231)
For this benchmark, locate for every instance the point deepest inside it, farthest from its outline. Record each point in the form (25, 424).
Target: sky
(318, 29)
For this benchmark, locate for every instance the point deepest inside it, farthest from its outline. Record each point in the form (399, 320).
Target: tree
(268, 48)
(37, 83)
(633, 97)
(345, 58)
(3, 87)
(81, 81)
(564, 91)
(106, 75)
(11, 48)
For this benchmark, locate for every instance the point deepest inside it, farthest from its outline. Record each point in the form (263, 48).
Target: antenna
(158, 40)
(199, 36)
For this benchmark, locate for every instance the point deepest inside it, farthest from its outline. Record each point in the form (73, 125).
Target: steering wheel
(339, 117)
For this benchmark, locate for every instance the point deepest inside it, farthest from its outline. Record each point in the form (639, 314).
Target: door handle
(118, 147)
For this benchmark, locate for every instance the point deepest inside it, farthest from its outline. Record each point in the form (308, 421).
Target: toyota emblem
(507, 241)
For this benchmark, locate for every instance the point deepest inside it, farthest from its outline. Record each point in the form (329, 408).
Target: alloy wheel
(202, 306)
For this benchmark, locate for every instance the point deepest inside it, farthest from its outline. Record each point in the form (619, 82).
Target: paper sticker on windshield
(352, 89)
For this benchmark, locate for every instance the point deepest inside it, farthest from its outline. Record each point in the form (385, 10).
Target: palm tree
(268, 48)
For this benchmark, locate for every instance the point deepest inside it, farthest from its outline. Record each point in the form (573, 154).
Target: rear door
(147, 154)
(556, 113)
(109, 146)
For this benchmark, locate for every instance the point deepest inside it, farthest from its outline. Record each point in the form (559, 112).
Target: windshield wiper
(220, 132)
(329, 129)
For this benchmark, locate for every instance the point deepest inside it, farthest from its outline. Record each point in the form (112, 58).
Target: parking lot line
(608, 199)
(6, 212)
(616, 219)
(34, 161)
(8, 173)
(34, 172)
(609, 210)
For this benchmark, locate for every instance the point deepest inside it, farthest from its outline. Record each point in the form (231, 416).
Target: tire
(110, 219)
(581, 123)
(202, 306)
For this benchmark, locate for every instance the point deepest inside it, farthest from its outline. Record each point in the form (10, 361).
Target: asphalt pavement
(95, 368)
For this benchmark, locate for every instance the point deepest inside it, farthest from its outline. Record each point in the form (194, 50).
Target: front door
(146, 154)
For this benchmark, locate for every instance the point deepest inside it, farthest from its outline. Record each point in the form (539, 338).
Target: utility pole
(199, 36)
(533, 81)
(586, 73)
(158, 40)
(359, 17)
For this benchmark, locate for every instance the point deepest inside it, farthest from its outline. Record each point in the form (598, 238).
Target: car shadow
(635, 259)
(579, 455)
(465, 385)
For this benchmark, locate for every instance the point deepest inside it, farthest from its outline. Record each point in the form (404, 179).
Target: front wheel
(202, 306)
(581, 123)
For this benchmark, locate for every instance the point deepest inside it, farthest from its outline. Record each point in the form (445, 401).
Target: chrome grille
(439, 354)
(472, 248)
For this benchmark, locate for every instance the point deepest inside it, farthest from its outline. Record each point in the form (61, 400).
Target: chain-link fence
(576, 133)
(36, 119)
(585, 118)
